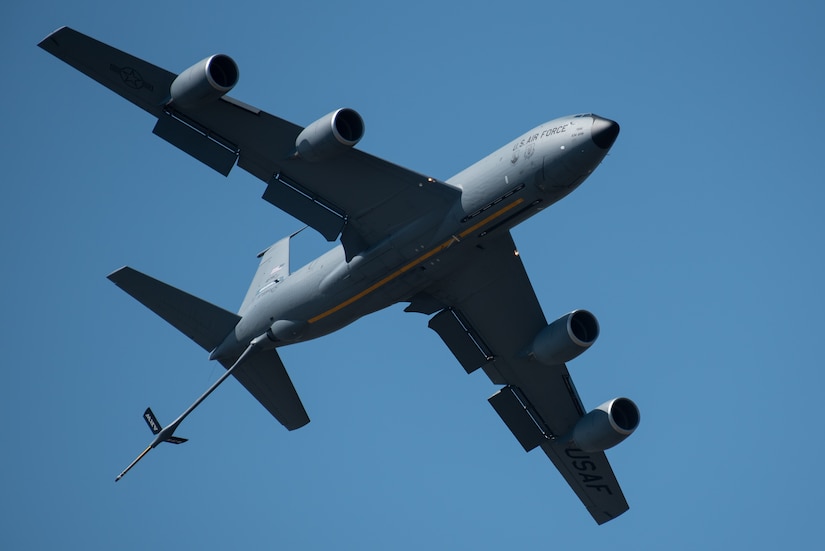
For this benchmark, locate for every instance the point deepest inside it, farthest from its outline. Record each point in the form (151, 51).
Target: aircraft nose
(604, 132)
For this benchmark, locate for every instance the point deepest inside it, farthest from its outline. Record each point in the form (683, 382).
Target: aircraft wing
(492, 315)
(341, 195)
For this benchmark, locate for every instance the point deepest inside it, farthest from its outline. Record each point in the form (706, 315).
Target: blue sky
(698, 244)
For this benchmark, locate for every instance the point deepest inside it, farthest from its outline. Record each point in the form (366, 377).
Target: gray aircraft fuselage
(515, 182)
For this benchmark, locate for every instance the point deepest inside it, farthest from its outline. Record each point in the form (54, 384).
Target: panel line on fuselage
(410, 265)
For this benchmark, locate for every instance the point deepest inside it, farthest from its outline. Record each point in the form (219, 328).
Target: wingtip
(298, 424)
(51, 37)
(113, 277)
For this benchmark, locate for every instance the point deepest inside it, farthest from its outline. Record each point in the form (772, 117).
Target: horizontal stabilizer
(201, 321)
(265, 377)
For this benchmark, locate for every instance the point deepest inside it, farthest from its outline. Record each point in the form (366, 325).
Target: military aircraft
(444, 247)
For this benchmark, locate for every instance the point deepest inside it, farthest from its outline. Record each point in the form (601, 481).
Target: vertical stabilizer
(273, 269)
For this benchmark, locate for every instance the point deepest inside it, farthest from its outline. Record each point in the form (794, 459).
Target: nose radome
(604, 132)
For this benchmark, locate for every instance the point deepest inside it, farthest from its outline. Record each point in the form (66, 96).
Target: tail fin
(201, 321)
(155, 427)
(152, 421)
(273, 269)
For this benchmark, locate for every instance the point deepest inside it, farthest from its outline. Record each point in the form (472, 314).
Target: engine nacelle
(330, 135)
(607, 425)
(205, 81)
(565, 338)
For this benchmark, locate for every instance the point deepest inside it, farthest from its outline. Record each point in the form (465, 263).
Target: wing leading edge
(492, 313)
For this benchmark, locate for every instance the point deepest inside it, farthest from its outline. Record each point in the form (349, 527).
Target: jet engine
(565, 338)
(607, 425)
(205, 81)
(330, 135)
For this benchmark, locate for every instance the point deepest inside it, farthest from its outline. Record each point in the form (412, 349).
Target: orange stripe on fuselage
(407, 267)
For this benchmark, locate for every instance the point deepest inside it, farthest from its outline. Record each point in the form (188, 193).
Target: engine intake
(565, 338)
(607, 425)
(330, 135)
(205, 81)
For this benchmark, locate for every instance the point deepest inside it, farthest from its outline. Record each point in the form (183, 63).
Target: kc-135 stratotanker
(444, 247)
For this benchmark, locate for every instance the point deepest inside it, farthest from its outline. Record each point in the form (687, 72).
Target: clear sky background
(698, 244)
